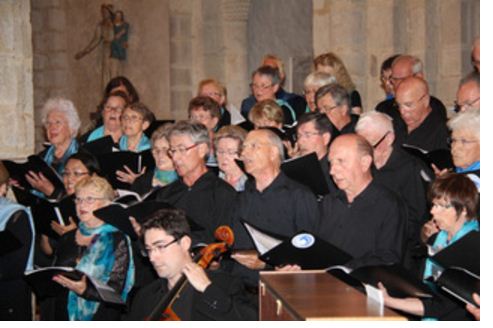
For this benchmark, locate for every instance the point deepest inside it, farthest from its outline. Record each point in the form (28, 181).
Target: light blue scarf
(144, 143)
(282, 102)
(98, 133)
(165, 177)
(98, 261)
(7, 208)
(441, 242)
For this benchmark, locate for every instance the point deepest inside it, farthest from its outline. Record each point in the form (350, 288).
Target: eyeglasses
(309, 92)
(260, 87)
(57, 123)
(115, 109)
(327, 109)
(131, 119)
(76, 174)
(159, 248)
(461, 141)
(381, 140)
(411, 105)
(230, 152)
(180, 150)
(466, 105)
(159, 151)
(88, 200)
(442, 206)
(307, 135)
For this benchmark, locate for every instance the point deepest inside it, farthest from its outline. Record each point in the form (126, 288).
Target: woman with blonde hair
(331, 64)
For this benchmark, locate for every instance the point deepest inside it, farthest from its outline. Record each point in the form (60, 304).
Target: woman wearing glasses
(227, 143)
(164, 173)
(97, 249)
(455, 200)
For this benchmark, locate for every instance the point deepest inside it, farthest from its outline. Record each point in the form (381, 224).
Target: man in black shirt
(397, 170)
(425, 128)
(206, 295)
(271, 201)
(333, 101)
(206, 199)
(403, 67)
(364, 218)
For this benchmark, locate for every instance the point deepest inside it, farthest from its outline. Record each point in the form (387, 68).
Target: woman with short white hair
(61, 122)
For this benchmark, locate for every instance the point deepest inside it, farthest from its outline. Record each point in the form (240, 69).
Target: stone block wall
(16, 80)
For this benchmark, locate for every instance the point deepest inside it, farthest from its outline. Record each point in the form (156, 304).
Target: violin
(163, 310)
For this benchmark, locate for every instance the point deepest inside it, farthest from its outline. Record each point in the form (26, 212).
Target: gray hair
(374, 120)
(417, 64)
(275, 141)
(318, 79)
(65, 107)
(196, 131)
(468, 121)
(161, 132)
(234, 132)
(336, 91)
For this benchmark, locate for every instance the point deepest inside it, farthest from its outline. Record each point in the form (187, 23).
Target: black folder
(303, 249)
(99, 146)
(461, 268)
(8, 242)
(41, 281)
(18, 171)
(442, 158)
(115, 161)
(307, 171)
(44, 212)
(398, 281)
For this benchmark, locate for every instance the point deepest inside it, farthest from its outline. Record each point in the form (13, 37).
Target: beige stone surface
(16, 89)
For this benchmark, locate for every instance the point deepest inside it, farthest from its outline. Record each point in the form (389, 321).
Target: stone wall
(16, 86)
(366, 32)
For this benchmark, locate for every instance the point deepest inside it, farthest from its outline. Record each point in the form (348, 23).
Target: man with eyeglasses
(468, 94)
(208, 295)
(403, 67)
(363, 218)
(333, 101)
(313, 135)
(423, 126)
(398, 171)
(271, 201)
(206, 199)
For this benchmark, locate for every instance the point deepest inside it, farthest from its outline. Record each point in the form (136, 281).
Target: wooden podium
(315, 295)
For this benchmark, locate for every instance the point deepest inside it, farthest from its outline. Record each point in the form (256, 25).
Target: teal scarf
(7, 208)
(144, 143)
(98, 261)
(98, 133)
(281, 102)
(165, 177)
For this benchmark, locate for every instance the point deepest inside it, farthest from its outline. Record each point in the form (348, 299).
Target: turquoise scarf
(144, 143)
(98, 261)
(281, 102)
(98, 133)
(7, 208)
(165, 177)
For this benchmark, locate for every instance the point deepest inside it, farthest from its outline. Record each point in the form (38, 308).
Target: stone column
(234, 16)
(16, 80)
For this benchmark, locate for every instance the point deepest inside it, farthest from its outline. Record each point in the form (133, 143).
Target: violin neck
(169, 299)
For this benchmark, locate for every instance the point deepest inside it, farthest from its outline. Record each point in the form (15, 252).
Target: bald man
(271, 201)
(403, 67)
(424, 127)
(363, 218)
(468, 93)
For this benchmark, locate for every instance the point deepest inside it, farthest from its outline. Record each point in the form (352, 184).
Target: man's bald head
(405, 66)
(412, 97)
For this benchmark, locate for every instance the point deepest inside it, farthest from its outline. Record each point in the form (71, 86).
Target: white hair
(375, 121)
(67, 108)
(318, 79)
(468, 121)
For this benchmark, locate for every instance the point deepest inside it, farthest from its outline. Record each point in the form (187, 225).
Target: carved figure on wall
(111, 37)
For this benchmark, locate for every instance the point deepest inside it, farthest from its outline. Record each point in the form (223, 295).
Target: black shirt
(402, 175)
(390, 108)
(371, 228)
(348, 128)
(209, 202)
(284, 208)
(223, 299)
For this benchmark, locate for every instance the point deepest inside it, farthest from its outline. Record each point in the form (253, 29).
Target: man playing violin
(206, 295)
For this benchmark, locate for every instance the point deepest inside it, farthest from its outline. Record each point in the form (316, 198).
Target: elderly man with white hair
(397, 170)
(61, 122)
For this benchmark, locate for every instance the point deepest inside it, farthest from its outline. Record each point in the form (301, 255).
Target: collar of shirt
(278, 183)
(473, 167)
(365, 194)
